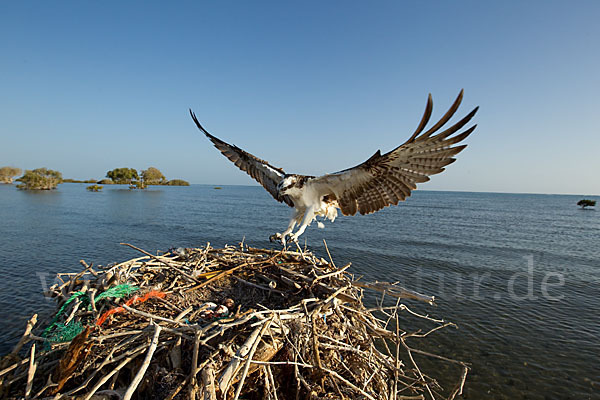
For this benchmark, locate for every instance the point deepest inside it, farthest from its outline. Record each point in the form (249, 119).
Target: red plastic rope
(134, 299)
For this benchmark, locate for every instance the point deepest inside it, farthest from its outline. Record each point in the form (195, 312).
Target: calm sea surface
(519, 274)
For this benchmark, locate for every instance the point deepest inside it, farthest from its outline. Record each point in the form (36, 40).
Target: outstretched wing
(386, 179)
(264, 173)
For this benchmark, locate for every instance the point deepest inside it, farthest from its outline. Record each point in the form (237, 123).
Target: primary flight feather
(382, 180)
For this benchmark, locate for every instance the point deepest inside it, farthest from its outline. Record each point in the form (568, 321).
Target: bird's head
(287, 185)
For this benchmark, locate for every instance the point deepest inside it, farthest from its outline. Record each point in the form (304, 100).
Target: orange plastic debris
(134, 299)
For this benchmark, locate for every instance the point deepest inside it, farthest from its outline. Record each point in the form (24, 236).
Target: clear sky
(311, 86)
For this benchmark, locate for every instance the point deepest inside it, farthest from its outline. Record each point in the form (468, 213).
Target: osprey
(382, 180)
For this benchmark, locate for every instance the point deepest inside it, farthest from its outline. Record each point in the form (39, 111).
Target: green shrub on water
(586, 203)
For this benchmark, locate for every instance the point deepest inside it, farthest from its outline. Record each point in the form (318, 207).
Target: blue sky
(312, 87)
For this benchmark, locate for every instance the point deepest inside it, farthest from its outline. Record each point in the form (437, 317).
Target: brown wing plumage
(261, 171)
(386, 179)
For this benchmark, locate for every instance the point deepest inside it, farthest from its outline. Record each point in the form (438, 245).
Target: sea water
(519, 274)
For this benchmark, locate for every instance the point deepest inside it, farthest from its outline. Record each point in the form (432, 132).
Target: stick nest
(236, 322)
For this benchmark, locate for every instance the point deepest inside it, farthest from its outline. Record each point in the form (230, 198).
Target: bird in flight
(382, 180)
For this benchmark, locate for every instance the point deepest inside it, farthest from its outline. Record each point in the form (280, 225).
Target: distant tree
(105, 181)
(139, 184)
(8, 173)
(177, 182)
(152, 176)
(40, 179)
(122, 175)
(586, 203)
(94, 188)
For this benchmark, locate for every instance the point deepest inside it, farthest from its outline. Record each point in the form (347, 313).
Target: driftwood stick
(272, 380)
(397, 358)
(217, 277)
(15, 365)
(332, 274)
(188, 276)
(422, 335)
(327, 289)
(267, 383)
(92, 293)
(178, 388)
(395, 291)
(234, 365)
(184, 382)
(261, 287)
(405, 308)
(315, 337)
(176, 332)
(88, 268)
(329, 254)
(107, 360)
(409, 350)
(119, 266)
(208, 380)
(194, 367)
(140, 374)
(459, 388)
(350, 384)
(249, 359)
(31, 372)
(104, 379)
(152, 316)
(25, 338)
(49, 384)
(175, 354)
(299, 364)
(73, 311)
(169, 305)
(183, 314)
(117, 334)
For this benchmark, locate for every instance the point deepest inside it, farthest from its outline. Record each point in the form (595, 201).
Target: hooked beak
(280, 193)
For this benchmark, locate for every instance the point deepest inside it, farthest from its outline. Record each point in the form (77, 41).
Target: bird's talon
(276, 237)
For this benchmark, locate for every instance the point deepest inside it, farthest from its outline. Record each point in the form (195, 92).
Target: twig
(459, 388)
(194, 367)
(185, 274)
(258, 286)
(409, 351)
(347, 382)
(332, 274)
(103, 380)
(250, 355)
(15, 365)
(31, 372)
(152, 316)
(208, 380)
(397, 358)
(395, 291)
(329, 254)
(138, 377)
(234, 365)
(269, 374)
(25, 338)
(216, 277)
